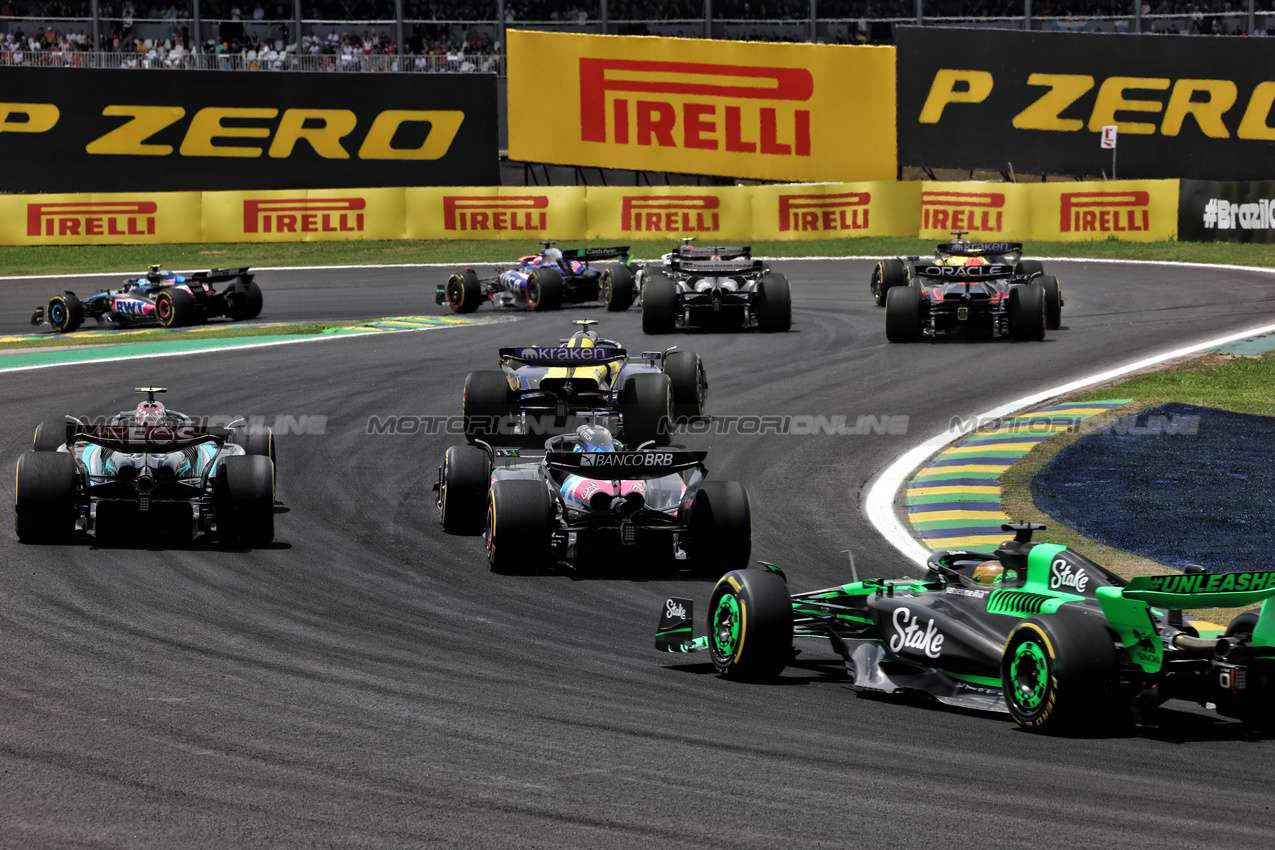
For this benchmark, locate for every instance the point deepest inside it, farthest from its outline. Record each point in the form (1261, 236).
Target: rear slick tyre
(1059, 673)
(903, 314)
(519, 525)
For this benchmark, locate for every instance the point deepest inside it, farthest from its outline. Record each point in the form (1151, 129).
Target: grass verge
(1222, 381)
(133, 259)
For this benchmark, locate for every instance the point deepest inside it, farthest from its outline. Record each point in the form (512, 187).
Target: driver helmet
(149, 413)
(594, 438)
(552, 257)
(993, 573)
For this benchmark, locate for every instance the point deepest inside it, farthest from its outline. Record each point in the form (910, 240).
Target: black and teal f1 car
(1037, 630)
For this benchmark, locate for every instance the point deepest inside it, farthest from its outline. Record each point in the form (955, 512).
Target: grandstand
(443, 37)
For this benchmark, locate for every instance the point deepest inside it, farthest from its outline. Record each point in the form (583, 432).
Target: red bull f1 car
(144, 475)
(1035, 629)
(713, 287)
(538, 388)
(546, 281)
(977, 288)
(160, 298)
(591, 502)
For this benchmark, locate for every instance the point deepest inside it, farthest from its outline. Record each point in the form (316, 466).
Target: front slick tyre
(519, 525)
(464, 292)
(1059, 675)
(750, 625)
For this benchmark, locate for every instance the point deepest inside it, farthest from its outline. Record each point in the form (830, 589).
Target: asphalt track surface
(367, 681)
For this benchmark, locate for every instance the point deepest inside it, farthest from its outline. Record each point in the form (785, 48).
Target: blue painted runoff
(1177, 483)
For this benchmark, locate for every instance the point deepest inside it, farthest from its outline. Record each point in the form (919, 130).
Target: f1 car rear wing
(139, 439)
(1202, 590)
(963, 274)
(554, 355)
(719, 268)
(686, 252)
(979, 249)
(218, 274)
(626, 465)
(586, 254)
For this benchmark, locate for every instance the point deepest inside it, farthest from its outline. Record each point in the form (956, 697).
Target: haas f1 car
(160, 298)
(709, 287)
(539, 387)
(546, 281)
(591, 502)
(1035, 630)
(980, 288)
(146, 474)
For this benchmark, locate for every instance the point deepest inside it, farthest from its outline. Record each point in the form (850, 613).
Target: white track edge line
(883, 492)
(217, 349)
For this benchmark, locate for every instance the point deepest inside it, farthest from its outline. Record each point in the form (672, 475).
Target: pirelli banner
(696, 106)
(1130, 210)
(1182, 106)
(112, 130)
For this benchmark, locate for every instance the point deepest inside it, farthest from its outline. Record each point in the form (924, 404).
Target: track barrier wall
(1139, 210)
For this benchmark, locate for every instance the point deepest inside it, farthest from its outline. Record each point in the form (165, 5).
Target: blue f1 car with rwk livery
(546, 281)
(592, 503)
(588, 377)
(981, 288)
(144, 475)
(160, 298)
(1035, 629)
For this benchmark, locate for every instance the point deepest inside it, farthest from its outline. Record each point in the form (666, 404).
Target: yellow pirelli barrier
(670, 212)
(316, 215)
(809, 112)
(834, 210)
(1128, 210)
(114, 219)
(498, 212)
(988, 212)
(1132, 210)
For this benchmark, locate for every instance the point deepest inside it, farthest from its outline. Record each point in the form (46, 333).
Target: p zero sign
(1181, 106)
(735, 109)
(103, 130)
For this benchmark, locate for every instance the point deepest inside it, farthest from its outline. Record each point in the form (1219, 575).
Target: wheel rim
(1028, 676)
(163, 309)
(57, 314)
(727, 621)
(490, 534)
(455, 291)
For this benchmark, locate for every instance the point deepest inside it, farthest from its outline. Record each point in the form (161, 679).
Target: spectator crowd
(447, 35)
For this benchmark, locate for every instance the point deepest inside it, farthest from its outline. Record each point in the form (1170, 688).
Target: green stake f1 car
(1036, 629)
